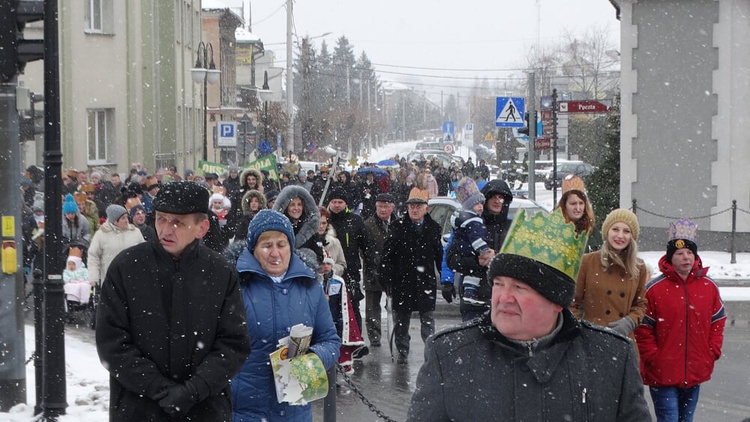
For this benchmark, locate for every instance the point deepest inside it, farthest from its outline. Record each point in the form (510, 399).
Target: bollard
(329, 403)
(734, 230)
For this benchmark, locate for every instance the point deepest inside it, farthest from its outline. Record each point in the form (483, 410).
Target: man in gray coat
(529, 358)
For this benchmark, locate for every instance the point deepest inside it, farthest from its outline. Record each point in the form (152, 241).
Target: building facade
(685, 117)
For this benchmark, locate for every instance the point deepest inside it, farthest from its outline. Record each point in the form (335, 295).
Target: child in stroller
(77, 286)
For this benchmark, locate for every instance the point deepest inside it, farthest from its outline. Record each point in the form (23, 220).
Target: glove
(449, 292)
(623, 326)
(179, 399)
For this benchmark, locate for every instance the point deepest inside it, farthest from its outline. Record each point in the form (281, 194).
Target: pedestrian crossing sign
(509, 112)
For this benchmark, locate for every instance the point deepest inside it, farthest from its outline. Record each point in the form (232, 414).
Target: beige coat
(604, 296)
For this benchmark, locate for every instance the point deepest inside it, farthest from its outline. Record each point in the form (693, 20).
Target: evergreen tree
(603, 186)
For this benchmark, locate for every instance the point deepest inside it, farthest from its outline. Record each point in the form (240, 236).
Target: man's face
(177, 231)
(324, 175)
(519, 312)
(495, 203)
(83, 178)
(417, 211)
(384, 209)
(115, 180)
(139, 218)
(337, 205)
(273, 252)
(342, 177)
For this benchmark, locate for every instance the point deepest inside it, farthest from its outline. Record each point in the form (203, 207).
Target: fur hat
(114, 212)
(545, 253)
(682, 233)
(468, 193)
(267, 220)
(338, 193)
(418, 196)
(621, 215)
(182, 198)
(69, 206)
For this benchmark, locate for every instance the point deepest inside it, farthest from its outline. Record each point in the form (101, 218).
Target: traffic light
(525, 130)
(27, 126)
(15, 51)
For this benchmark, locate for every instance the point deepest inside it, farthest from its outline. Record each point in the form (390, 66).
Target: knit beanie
(468, 193)
(338, 193)
(114, 212)
(69, 206)
(622, 215)
(267, 220)
(682, 234)
(134, 209)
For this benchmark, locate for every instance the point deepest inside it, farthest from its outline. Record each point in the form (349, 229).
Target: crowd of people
(308, 250)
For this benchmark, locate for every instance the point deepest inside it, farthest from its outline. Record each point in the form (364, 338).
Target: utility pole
(531, 150)
(289, 78)
(348, 106)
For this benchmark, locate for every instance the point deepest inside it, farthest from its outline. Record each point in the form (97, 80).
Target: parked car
(565, 168)
(443, 207)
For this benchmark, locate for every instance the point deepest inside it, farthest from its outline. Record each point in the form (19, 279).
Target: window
(99, 16)
(100, 136)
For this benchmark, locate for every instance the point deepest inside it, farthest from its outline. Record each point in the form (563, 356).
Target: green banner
(266, 162)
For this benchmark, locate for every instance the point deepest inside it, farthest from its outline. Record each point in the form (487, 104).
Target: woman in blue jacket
(278, 291)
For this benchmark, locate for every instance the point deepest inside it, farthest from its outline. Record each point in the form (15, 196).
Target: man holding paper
(279, 292)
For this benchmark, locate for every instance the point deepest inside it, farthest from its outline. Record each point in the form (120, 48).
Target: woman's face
(254, 204)
(273, 252)
(217, 204)
(323, 225)
(251, 180)
(575, 207)
(294, 209)
(71, 216)
(619, 236)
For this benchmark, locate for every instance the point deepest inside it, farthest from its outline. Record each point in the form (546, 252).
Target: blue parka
(272, 309)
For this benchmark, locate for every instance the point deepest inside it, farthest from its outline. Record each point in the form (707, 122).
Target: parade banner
(266, 162)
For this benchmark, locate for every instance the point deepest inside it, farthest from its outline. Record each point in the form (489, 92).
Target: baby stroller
(80, 302)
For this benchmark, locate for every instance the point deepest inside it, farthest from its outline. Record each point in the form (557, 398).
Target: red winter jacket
(681, 335)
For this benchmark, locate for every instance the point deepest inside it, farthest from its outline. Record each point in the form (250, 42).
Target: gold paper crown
(547, 239)
(573, 182)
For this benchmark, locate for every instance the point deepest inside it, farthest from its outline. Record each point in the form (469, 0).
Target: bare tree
(591, 62)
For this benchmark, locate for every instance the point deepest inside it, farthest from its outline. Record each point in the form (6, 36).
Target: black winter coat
(474, 373)
(376, 231)
(351, 233)
(162, 322)
(411, 263)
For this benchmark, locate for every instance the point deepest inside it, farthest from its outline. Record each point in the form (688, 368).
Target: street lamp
(205, 72)
(266, 95)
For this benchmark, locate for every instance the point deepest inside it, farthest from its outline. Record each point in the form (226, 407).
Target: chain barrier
(361, 396)
(745, 211)
(32, 357)
(668, 217)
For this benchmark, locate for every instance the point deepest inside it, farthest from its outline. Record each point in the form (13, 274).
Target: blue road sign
(509, 111)
(227, 134)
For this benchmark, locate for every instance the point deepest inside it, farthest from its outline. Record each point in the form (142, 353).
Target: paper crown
(79, 197)
(86, 187)
(418, 196)
(683, 229)
(220, 189)
(131, 202)
(573, 182)
(547, 239)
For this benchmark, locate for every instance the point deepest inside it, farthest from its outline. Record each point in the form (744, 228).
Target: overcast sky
(433, 37)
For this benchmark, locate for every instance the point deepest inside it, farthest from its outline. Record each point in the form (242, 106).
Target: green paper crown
(547, 239)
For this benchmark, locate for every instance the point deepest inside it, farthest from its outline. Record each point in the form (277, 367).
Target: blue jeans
(675, 404)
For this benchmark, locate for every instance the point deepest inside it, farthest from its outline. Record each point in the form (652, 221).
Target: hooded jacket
(307, 225)
(272, 309)
(682, 333)
(497, 226)
(109, 241)
(586, 373)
